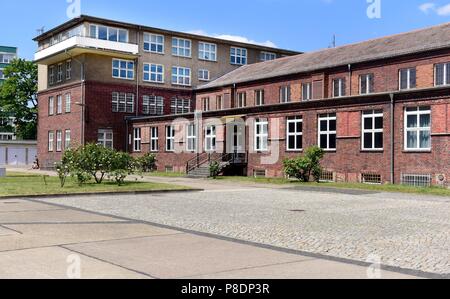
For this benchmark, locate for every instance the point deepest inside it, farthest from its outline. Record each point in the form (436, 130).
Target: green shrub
(121, 165)
(146, 163)
(214, 169)
(303, 167)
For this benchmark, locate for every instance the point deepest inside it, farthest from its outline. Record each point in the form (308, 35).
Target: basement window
(327, 177)
(257, 173)
(169, 169)
(416, 180)
(371, 178)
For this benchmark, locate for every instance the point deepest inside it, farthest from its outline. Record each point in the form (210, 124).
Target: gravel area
(405, 231)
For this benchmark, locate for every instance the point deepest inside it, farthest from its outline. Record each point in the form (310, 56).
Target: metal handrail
(202, 159)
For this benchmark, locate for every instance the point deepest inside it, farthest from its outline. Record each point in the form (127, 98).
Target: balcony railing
(85, 42)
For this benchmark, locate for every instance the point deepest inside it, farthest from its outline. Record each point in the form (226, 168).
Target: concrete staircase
(201, 172)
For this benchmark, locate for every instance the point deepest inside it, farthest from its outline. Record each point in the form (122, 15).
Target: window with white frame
(51, 140)
(154, 139)
(51, 106)
(154, 73)
(123, 69)
(152, 105)
(108, 33)
(339, 87)
(51, 72)
(407, 78)
(181, 47)
(68, 69)
(105, 138)
(122, 102)
(59, 73)
(210, 138)
(219, 102)
(442, 74)
(191, 138)
(327, 131)
(170, 138)
(181, 76)
(59, 104)
(418, 128)
(137, 140)
(238, 56)
(207, 51)
(285, 94)
(241, 100)
(180, 106)
(154, 43)
(205, 104)
(372, 130)
(259, 97)
(366, 84)
(67, 139)
(203, 75)
(294, 136)
(58, 141)
(266, 56)
(7, 57)
(306, 91)
(68, 102)
(261, 135)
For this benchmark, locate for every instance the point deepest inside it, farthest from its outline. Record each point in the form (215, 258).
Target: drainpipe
(126, 134)
(350, 78)
(234, 93)
(392, 139)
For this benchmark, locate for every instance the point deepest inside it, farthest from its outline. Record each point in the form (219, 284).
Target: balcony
(77, 45)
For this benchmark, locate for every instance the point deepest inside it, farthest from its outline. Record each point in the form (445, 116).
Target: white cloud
(236, 38)
(429, 7)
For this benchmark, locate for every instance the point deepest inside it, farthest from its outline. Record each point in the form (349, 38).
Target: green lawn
(387, 188)
(165, 174)
(17, 184)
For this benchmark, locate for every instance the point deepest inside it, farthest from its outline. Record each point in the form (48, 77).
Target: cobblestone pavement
(411, 232)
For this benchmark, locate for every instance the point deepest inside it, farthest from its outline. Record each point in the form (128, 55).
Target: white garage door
(32, 155)
(16, 156)
(2, 156)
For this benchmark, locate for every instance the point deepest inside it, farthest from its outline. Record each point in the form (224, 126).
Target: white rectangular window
(259, 97)
(285, 94)
(51, 106)
(266, 56)
(59, 73)
(372, 130)
(191, 138)
(418, 128)
(306, 91)
(339, 87)
(154, 73)
(203, 75)
(59, 104)
(207, 51)
(154, 139)
(137, 140)
(58, 141)
(407, 78)
(261, 135)
(181, 76)
(327, 131)
(366, 84)
(241, 100)
(153, 105)
(51, 140)
(238, 56)
(442, 74)
(205, 104)
(170, 138)
(51, 75)
(154, 43)
(108, 33)
(210, 138)
(67, 139)
(123, 69)
(122, 102)
(180, 106)
(294, 136)
(181, 47)
(68, 102)
(105, 138)
(68, 69)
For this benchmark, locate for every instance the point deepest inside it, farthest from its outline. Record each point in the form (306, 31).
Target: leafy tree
(303, 167)
(146, 163)
(18, 96)
(95, 160)
(122, 165)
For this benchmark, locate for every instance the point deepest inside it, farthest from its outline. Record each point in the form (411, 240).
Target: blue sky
(303, 25)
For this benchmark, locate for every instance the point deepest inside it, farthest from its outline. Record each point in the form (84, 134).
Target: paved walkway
(39, 240)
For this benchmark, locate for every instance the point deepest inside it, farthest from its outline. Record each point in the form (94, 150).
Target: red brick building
(95, 73)
(380, 109)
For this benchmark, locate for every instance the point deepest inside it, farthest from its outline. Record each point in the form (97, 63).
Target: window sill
(153, 52)
(427, 151)
(372, 151)
(181, 56)
(119, 78)
(207, 60)
(295, 151)
(153, 82)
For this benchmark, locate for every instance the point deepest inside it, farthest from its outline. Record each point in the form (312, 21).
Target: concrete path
(40, 240)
